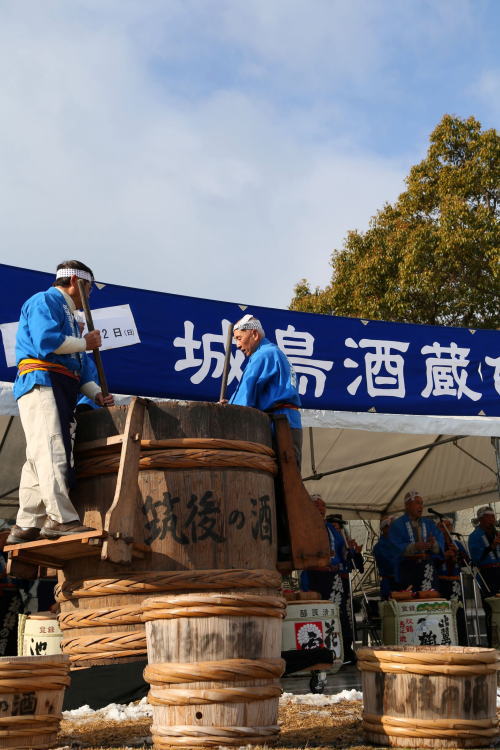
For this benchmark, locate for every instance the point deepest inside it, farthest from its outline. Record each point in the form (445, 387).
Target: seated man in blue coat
(419, 546)
(268, 382)
(484, 548)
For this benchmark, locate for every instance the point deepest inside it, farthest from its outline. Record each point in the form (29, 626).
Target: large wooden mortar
(214, 666)
(429, 696)
(31, 699)
(206, 512)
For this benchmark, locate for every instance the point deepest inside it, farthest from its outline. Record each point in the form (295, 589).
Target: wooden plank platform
(53, 553)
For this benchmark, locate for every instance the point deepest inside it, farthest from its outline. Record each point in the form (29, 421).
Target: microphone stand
(475, 575)
(462, 587)
(351, 603)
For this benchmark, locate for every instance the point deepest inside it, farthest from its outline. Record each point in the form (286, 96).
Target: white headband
(484, 511)
(65, 273)
(249, 323)
(411, 496)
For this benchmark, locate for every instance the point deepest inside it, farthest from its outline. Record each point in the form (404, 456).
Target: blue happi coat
(488, 562)
(336, 542)
(337, 545)
(401, 535)
(269, 379)
(386, 555)
(478, 548)
(84, 400)
(45, 322)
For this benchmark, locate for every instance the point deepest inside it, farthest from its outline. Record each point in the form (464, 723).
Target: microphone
(435, 512)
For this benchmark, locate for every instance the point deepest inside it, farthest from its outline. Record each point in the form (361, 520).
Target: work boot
(20, 534)
(53, 529)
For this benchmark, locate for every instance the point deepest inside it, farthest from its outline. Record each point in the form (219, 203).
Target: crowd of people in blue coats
(415, 553)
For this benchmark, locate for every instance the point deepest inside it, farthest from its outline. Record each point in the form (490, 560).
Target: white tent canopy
(451, 460)
(450, 475)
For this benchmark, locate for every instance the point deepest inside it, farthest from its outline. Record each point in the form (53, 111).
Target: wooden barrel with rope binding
(31, 694)
(214, 668)
(429, 696)
(204, 514)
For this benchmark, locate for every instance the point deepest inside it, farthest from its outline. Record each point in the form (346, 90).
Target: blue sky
(223, 148)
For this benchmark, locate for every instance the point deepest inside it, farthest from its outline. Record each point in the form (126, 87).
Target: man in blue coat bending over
(268, 382)
(52, 368)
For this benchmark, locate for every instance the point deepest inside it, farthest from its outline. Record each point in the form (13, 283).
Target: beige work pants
(43, 489)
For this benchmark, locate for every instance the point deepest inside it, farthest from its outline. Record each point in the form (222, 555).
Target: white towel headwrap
(249, 323)
(65, 273)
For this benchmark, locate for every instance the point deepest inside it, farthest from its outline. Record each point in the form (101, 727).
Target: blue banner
(344, 364)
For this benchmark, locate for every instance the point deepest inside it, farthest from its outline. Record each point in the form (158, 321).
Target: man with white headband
(52, 369)
(484, 549)
(268, 382)
(419, 546)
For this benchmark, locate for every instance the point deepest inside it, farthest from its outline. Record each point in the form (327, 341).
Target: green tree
(434, 255)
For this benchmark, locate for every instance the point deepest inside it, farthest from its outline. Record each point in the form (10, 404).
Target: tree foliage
(434, 255)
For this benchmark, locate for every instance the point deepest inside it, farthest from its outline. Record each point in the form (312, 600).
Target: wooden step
(53, 553)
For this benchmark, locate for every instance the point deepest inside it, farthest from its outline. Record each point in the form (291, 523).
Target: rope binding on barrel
(152, 582)
(205, 736)
(212, 605)
(430, 728)
(182, 453)
(447, 660)
(223, 670)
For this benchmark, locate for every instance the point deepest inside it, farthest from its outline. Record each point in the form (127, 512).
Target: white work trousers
(43, 489)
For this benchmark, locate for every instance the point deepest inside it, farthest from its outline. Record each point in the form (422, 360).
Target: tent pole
(383, 458)
(410, 475)
(459, 447)
(7, 429)
(496, 447)
(311, 450)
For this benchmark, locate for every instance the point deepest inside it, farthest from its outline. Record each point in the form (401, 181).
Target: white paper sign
(9, 331)
(117, 326)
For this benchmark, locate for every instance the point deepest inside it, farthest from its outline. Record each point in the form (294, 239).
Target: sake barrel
(39, 634)
(494, 603)
(429, 696)
(314, 623)
(414, 622)
(214, 666)
(205, 510)
(31, 699)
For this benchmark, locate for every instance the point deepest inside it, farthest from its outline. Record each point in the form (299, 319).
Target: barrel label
(200, 518)
(426, 623)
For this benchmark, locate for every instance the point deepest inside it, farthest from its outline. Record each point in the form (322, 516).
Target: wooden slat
(52, 553)
(106, 442)
(25, 559)
(308, 537)
(120, 518)
(54, 544)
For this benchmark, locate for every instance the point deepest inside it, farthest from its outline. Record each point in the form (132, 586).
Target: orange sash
(30, 365)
